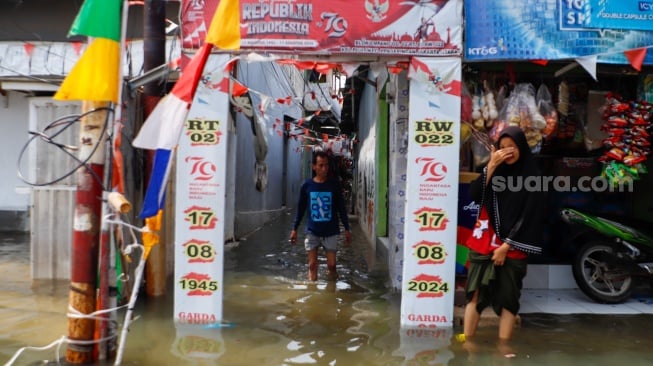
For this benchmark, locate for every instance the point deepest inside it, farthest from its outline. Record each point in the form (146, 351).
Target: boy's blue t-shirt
(324, 205)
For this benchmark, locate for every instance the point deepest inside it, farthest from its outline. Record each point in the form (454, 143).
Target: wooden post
(154, 44)
(86, 230)
(101, 351)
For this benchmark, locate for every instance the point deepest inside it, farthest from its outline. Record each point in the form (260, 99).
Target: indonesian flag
(163, 127)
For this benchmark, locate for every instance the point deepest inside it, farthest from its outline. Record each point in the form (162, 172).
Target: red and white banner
(379, 27)
(200, 200)
(428, 280)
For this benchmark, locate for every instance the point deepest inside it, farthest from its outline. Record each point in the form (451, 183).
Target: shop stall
(579, 85)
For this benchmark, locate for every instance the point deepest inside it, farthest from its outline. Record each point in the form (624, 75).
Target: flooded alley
(274, 317)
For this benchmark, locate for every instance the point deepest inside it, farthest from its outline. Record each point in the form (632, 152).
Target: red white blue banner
(200, 200)
(432, 200)
(379, 27)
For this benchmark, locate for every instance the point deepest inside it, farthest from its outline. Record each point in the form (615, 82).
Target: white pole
(114, 131)
(130, 307)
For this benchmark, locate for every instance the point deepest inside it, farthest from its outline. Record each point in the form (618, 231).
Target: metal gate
(51, 205)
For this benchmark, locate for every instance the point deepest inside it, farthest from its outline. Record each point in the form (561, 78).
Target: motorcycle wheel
(599, 279)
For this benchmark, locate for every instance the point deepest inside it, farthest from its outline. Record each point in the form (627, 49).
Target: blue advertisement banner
(620, 14)
(545, 30)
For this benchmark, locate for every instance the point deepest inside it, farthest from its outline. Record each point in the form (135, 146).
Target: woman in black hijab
(515, 210)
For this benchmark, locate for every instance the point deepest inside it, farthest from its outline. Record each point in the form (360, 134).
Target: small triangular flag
(77, 46)
(589, 64)
(239, 89)
(349, 68)
(636, 57)
(29, 48)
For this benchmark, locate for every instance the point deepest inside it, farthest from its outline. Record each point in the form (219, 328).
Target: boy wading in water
(322, 197)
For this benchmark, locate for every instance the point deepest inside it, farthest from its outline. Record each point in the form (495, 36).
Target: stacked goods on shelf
(628, 125)
(520, 109)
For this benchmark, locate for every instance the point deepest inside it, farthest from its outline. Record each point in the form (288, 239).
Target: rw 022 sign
(431, 205)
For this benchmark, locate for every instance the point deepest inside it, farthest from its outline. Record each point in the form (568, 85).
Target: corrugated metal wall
(51, 231)
(52, 205)
(254, 208)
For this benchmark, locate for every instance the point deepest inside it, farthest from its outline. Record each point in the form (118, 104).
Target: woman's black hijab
(520, 206)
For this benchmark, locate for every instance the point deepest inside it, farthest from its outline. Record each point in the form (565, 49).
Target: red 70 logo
(201, 169)
(433, 169)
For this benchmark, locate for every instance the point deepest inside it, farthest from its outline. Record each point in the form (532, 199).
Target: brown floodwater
(274, 317)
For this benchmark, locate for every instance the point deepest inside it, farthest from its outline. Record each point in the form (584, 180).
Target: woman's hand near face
(498, 157)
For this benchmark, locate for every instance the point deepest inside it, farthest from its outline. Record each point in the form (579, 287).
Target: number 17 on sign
(431, 219)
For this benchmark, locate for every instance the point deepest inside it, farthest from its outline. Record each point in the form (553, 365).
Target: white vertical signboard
(432, 193)
(200, 200)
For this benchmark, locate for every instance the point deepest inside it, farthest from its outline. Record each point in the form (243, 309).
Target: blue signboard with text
(547, 30)
(620, 14)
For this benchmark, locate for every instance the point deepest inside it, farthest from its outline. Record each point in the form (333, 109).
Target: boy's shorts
(312, 241)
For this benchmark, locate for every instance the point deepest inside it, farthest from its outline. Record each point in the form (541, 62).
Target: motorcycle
(612, 257)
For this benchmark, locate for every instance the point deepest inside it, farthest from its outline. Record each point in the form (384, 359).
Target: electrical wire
(66, 122)
(113, 219)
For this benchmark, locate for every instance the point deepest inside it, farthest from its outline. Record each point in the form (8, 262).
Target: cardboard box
(592, 131)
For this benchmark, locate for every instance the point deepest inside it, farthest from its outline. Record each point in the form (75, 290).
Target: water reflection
(274, 317)
(198, 345)
(547, 339)
(425, 346)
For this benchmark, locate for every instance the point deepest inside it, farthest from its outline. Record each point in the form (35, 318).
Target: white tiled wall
(549, 276)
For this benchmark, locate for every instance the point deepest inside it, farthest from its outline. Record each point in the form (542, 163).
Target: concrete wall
(365, 179)
(369, 163)
(253, 207)
(398, 141)
(14, 200)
